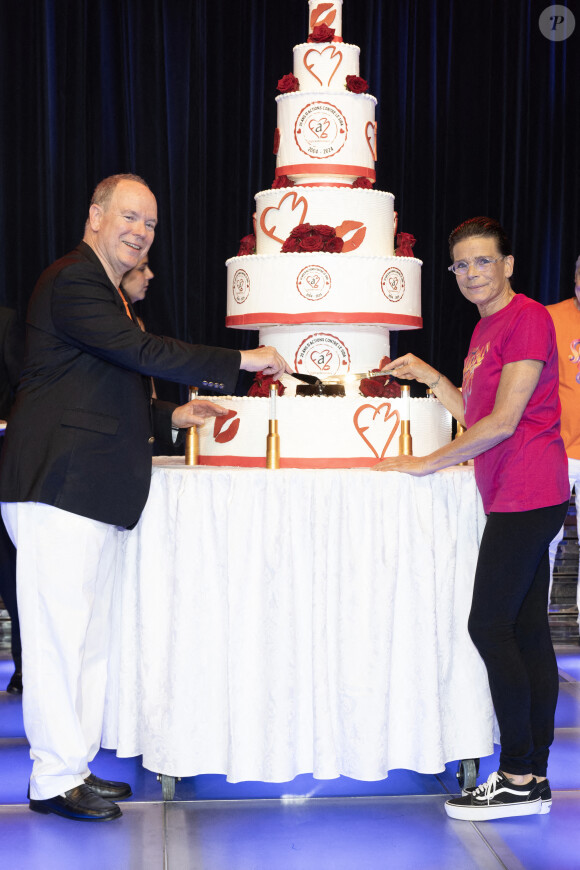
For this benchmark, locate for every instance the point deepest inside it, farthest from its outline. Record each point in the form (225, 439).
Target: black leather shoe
(113, 791)
(14, 687)
(80, 803)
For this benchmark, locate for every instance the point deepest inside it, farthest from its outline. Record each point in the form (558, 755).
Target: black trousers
(509, 626)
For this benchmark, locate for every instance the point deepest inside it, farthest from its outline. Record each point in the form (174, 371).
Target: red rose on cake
(321, 33)
(288, 84)
(381, 387)
(261, 385)
(306, 238)
(247, 245)
(356, 85)
(405, 242)
(282, 181)
(361, 181)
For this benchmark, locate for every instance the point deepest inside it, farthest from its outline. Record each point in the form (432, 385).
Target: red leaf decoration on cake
(288, 84)
(405, 242)
(380, 434)
(358, 231)
(321, 33)
(356, 85)
(230, 433)
(276, 146)
(316, 15)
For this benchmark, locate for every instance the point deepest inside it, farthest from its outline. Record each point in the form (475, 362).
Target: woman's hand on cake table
(265, 359)
(195, 413)
(410, 367)
(415, 465)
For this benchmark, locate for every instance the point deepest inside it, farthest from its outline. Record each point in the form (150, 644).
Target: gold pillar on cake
(460, 430)
(273, 439)
(405, 440)
(192, 437)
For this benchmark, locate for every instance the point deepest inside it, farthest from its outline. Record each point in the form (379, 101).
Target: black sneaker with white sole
(498, 798)
(545, 796)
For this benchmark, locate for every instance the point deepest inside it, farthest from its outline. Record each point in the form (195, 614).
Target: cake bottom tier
(319, 431)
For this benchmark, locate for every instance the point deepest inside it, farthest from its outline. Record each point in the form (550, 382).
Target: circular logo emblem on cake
(320, 130)
(393, 284)
(241, 286)
(323, 355)
(313, 283)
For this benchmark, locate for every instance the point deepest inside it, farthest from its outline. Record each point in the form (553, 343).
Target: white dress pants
(574, 476)
(64, 578)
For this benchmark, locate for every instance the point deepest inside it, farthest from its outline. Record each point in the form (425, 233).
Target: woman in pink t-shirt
(509, 403)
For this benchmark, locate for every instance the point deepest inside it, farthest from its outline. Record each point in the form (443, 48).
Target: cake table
(273, 623)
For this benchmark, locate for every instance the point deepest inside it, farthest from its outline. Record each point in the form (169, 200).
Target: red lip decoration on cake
(230, 433)
(377, 433)
(371, 137)
(316, 15)
(358, 231)
(323, 64)
(295, 202)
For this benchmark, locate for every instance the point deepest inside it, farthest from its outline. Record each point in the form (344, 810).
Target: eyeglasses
(482, 264)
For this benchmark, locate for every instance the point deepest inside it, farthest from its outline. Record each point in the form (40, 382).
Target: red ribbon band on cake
(265, 318)
(327, 169)
(292, 462)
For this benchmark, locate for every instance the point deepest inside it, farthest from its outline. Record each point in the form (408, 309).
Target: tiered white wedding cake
(324, 285)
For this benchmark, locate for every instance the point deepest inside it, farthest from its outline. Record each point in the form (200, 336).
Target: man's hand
(264, 359)
(194, 413)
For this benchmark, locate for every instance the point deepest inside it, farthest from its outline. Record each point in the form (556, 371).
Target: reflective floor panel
(308, 824)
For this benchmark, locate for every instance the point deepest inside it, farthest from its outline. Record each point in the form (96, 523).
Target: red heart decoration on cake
(295, 202)
(230, 433)
(319, 127)
(377, 434)
(371, 137)
(321, 359)
(316, 15)
(323, 64)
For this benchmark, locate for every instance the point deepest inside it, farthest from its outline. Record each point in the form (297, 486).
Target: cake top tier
(328, 14)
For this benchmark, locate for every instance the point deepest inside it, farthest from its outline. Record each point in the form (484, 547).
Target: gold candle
(192, 437)
(459, 432)
(273, 439)
(273, 445)
(405, 440)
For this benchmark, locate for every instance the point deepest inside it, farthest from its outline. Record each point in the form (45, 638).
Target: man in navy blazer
(76, 465)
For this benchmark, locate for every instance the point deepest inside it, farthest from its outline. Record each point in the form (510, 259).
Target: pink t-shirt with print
(529, 469)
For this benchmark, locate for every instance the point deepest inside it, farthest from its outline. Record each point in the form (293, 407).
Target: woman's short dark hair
(484, 227)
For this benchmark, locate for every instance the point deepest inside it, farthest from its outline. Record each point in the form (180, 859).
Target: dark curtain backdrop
(478, 114)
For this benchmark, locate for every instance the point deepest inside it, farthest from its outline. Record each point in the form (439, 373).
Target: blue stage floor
(399, 823)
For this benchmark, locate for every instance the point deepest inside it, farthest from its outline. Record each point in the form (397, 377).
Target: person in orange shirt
(566, 317)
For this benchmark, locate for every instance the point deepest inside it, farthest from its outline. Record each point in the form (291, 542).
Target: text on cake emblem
(393, 284)
(320, 130)
(313, 283)
(241, 286)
